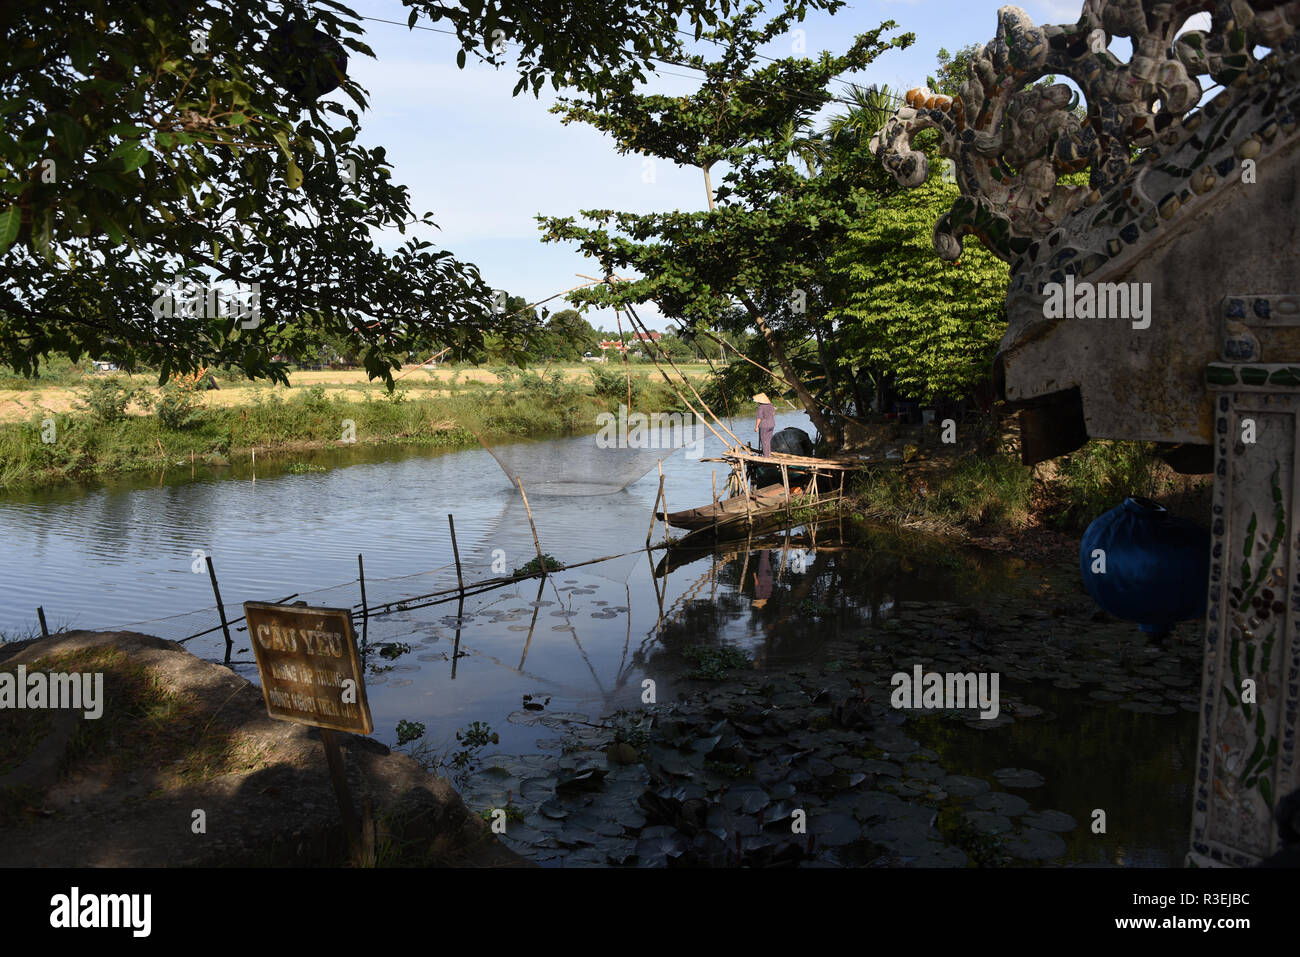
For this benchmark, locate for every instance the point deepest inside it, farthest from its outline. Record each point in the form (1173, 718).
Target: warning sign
(311, 671)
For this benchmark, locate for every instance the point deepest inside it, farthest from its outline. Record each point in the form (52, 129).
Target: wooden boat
(762, 501)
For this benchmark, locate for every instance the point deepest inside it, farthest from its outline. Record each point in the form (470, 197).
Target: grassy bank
(118, 426)
(993, 493)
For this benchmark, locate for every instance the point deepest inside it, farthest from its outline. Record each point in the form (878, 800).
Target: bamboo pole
(537, 607)
(663, 498)
(778, 377)
(627, 368)
(455, 551)
(221, 610)
(351, 823)
(541, 561)
(743, 482)
(632, 316)
(658, 495)
(785, 482)
(460, 613)
(365, 613)
(714, 473)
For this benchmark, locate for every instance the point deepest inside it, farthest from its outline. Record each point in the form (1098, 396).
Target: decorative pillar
(1250, 693)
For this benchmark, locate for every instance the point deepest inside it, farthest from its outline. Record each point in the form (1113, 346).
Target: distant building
(636, 337)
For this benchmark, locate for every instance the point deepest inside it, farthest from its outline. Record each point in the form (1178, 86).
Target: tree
(597, 46)
(954, 68)
(935, 326)
(180, 144)
(569, 335)
(761, 242)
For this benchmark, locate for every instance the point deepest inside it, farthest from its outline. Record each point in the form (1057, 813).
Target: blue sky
(485, 163)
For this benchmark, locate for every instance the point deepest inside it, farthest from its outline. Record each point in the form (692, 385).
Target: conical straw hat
(762, 398)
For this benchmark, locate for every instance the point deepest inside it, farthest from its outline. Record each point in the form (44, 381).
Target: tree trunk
(809, 403)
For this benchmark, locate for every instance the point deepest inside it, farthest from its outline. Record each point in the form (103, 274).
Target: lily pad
(989, 822)
(962, 786)
(586, 779)
(746, 800)
(1000, 802)
(1031, 844)
(1050, 821)
(1018, 778)
(658, 845)
(553, 809)
(835, 829)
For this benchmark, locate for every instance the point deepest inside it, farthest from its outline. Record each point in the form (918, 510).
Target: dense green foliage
(933, 326)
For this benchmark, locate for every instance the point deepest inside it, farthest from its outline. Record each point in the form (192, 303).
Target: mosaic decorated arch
(1160, 302)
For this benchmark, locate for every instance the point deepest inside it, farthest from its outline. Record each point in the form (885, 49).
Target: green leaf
(293, 175)
(132, 154)
(41, 233)
(10, 221)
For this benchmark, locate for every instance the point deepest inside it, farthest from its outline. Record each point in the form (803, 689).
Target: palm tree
(807, 147)
(870, 110)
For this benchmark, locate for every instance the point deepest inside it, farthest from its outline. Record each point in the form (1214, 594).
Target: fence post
(455, 551)
(221, 609)
(365, 611)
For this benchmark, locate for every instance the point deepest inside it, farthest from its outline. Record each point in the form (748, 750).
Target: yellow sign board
(311, 671)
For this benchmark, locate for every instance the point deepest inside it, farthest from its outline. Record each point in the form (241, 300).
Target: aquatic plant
(713, 663)
(535, 566)
(408, 731)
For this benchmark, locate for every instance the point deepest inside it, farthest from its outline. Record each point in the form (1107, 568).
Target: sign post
(312, 674)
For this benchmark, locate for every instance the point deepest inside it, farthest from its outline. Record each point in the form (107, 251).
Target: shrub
(315, 399)
(177, 407)
(106, 399)
(1100, 475)
(612, 383)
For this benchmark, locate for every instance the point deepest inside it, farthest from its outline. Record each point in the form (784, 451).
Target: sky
(485, 163)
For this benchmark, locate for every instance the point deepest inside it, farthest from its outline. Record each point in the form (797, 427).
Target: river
(128, 554)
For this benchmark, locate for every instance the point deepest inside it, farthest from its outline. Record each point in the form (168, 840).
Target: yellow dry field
(17, 405)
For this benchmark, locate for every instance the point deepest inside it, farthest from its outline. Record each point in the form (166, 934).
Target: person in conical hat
(766, 422)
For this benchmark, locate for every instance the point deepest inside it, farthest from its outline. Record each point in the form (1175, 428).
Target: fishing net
(577, 466)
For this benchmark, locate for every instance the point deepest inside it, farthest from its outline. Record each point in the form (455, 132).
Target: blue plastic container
(1157, 566)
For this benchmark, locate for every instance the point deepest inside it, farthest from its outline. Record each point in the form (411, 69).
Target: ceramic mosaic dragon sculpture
(1011, 141)
(1163, 167)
